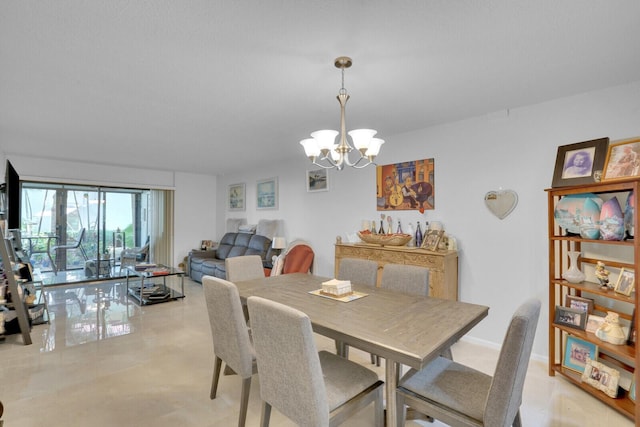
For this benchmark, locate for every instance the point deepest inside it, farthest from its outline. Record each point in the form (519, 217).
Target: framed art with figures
(406, 186)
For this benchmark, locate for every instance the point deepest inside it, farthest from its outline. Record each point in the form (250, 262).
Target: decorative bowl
(385, 239)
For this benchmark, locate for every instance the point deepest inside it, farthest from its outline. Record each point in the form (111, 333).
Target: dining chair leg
(266, 414)
(378, 407)
(216, 376)
(244, 401)
(401, 410)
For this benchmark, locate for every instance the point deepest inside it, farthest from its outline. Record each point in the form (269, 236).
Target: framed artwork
(267, 194)
(623, 160)
(632, 330)
(571, 317)
(317, 180)
(235, 198)
(593, 323)
(577, 352)
(432, 239)
(206, 245)
(632, 391)
(602, 377)
(406, 186)
(579, 303)
(626, 282)
(580, 163)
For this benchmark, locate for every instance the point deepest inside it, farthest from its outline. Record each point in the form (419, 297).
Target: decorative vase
(629, 214)
(611, 220)
(571, 211)
(573, 274)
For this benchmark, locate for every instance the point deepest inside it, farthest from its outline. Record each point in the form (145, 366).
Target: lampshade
(279, 243)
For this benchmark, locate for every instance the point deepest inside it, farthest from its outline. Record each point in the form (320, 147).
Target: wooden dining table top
(407, 329)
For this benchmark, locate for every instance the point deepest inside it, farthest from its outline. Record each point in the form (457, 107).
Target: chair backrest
(408, 279)
(231, 341)
(288, 363)
(505, 394)
(246, 267)
(358, 271)
(298, 260)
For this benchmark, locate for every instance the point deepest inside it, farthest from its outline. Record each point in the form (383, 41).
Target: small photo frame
(267, 194)
(317, 180)
(580, 163)
(602, 377)
(571, 317)
(626, 282)
(623, 160)
(206, 245)
(432, 239)
(579, 303)
(632, 390)
(236, 197)
(577, 352)
(593, 323)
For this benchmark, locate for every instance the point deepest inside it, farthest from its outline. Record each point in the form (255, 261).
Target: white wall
(502, 262)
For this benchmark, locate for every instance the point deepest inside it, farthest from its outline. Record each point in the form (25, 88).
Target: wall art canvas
(267, 194)
(235, 198)
(317, 180)
(406, 186)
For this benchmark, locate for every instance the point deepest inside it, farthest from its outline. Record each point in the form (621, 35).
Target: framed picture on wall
(267, 194)
(580, 163)
(236, 198)
(317, 180)
(623, 160)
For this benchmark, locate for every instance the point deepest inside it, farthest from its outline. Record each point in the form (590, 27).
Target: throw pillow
(277, 265)
(233, 224)
(268, 228)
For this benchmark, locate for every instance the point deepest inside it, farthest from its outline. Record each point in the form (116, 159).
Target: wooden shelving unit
(617, 255)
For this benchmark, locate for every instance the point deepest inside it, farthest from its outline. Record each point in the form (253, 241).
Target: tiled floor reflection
(105, 361)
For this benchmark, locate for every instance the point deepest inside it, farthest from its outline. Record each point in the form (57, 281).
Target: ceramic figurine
(602, 274)
(611, 331)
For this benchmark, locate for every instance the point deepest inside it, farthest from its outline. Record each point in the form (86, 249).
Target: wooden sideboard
(443, 265)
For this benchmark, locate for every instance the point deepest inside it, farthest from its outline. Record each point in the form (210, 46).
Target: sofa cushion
(226, 244)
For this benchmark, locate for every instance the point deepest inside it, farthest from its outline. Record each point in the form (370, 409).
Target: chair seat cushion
(447, 383)
(343, 378)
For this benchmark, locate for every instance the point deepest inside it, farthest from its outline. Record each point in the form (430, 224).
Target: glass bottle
(412, 242)
(418, 235)
(381, 231)
(373, 227)
(399, 229)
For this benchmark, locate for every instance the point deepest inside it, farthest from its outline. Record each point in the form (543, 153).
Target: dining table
(403, 329)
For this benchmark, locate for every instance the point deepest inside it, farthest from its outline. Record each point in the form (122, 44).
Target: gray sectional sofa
(211, 262)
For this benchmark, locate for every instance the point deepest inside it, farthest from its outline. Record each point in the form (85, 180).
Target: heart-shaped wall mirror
(501, 203)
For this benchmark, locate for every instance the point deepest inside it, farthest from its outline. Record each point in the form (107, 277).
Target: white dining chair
(310, 388)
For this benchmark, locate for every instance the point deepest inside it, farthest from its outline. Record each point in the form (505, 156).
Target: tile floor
(104, 361)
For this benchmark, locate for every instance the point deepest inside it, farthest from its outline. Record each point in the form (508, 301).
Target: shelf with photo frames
(621, 257)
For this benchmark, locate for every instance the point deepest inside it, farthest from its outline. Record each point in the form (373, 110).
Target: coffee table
(147, 292)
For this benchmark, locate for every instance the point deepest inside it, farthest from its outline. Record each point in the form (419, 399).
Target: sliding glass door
(108, 220)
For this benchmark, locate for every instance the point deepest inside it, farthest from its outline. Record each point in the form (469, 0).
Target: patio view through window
(56, 214)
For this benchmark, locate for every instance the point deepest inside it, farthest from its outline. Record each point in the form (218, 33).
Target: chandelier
(324, 152)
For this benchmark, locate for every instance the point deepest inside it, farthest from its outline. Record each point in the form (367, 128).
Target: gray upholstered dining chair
(244, 267)
(359, 272)
(231, 341)
(462, 396)
(408, 279)
(310, 388)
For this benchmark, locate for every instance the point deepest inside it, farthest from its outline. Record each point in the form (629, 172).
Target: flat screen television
(12, 197)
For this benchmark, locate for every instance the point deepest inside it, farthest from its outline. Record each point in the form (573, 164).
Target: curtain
(161, 247)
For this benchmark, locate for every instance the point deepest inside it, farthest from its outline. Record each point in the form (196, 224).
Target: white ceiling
(209, 86)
